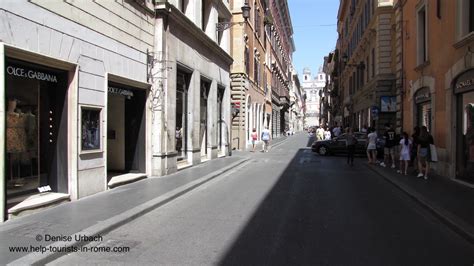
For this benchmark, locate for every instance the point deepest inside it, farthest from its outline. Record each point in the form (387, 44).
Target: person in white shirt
(266, 139)
(327, 134)
(371, 146)
(405, 144)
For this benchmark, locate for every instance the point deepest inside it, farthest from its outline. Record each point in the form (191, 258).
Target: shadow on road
(280, 231)
(322, 212)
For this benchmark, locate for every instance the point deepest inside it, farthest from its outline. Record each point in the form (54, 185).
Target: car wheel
(323, 150)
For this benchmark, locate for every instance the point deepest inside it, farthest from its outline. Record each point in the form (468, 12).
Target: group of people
(414, 149)
(265, 137)
(326, 133)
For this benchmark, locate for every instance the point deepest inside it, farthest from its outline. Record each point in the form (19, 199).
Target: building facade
(249, 74)
(281, 56)
(190, 67)
(262, 49)
(100, 93)
(73, 82)
(367, 77)
(436, 79)
(297, 104)
(313, 87)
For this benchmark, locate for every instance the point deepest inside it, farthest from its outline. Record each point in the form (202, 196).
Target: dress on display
(16, 133)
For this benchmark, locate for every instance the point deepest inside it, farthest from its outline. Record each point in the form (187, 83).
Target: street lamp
(361, 65)
(222, 26)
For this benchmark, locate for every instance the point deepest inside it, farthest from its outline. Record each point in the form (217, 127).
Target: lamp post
(222, 26)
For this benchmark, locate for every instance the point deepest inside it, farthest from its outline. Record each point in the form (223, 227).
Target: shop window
(422, 35)
(36, 129)
(464, 91)
(181, 114)
(465, 18)
(423, 107)
(90, 129)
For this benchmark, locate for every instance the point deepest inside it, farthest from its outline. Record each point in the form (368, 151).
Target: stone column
(212, 121)
(194, 117)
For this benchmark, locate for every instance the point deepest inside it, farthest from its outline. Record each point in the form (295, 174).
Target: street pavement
(287, 207)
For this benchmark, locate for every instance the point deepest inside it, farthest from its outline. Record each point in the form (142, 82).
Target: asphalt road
(287, 207)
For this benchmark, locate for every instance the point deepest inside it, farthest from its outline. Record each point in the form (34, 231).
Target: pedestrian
(320, 133)
(351, 142)
(371, 146)
(364, 129)
(266, 139)
(424, 142)
(406, 144)
(414, 147)
(327, 134)
(254, 137)
(390, 143)
(336, 131)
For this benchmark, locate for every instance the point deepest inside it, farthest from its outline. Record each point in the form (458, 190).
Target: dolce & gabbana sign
(122, 92)
(31, 74)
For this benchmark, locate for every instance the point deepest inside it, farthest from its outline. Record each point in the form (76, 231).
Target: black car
(337, 145)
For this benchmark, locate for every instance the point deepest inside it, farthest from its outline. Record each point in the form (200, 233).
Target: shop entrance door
(125, 130)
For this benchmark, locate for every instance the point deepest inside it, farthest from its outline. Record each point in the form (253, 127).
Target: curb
(452, 221)
(118, 220)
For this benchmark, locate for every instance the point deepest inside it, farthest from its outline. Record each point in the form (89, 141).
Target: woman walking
(254, 137)
(423, 154)
(405, 144)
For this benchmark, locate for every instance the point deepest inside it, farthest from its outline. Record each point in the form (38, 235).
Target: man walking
(265, 139)
(390, 143)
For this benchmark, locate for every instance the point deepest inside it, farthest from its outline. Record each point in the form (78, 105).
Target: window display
(90, 129)
(35, 98)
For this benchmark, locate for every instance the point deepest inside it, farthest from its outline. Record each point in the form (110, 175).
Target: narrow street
(287, 207)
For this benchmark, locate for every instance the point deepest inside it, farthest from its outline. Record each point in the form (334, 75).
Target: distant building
(313, 87)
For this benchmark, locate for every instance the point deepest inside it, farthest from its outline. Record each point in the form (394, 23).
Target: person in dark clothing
(414, 147)
(351, 141)
(390, 143)
(424, 142)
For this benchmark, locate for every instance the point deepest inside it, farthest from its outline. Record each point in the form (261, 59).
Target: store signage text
(123, 92)
(31, 74)
(465, 83)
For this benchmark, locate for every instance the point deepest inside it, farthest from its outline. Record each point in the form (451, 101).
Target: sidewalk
(452, 202)
(102, 212)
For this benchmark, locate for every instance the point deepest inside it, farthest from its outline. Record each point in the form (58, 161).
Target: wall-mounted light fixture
(361, 65)
(222, 26)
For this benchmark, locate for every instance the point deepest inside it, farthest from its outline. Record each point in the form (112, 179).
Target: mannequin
(16, 134)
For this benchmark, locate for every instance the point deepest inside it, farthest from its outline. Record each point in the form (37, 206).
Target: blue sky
(313, 38)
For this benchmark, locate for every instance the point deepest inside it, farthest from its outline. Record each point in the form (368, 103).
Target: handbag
(433, 153)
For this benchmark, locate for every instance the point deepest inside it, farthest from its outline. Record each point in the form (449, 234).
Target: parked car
(337, 145)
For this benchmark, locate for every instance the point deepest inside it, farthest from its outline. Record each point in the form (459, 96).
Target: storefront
(422, 100)
(36, 130)
(464, 96)
(182, 87)
(125, 130)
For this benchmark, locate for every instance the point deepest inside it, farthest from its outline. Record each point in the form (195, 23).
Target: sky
(315, 32)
